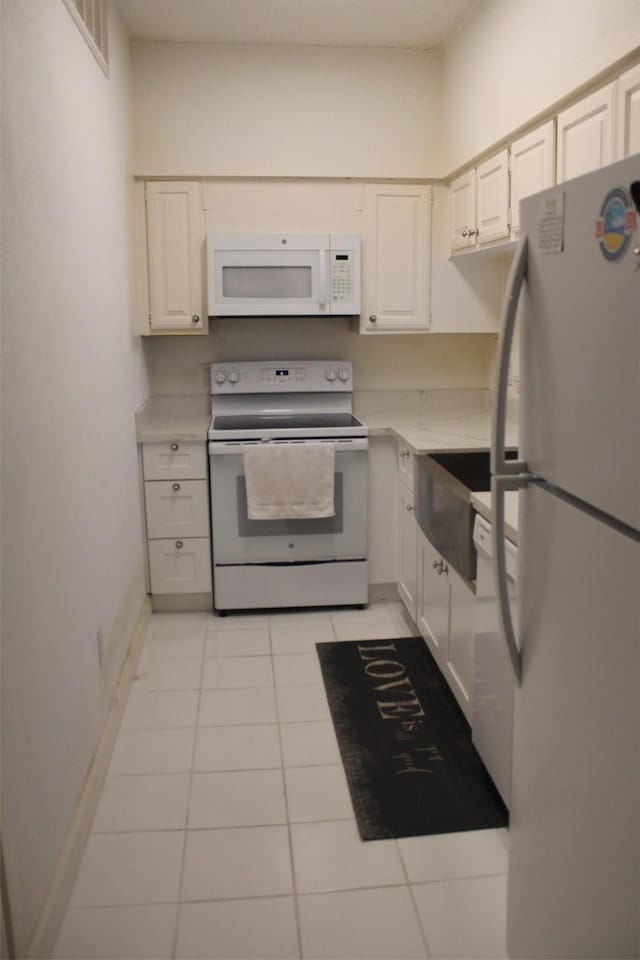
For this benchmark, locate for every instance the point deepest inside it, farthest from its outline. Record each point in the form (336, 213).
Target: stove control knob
(343, 373)
(220, 376)
(331, 374)
(233, 377)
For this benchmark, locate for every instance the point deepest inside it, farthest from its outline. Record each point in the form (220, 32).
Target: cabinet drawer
(180, 566)
(174, 460)
(177, 508)
(405, 465)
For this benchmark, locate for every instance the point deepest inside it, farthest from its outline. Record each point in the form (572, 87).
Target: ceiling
(417, 24)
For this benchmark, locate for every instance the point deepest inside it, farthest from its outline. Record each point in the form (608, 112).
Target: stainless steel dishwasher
(493, 685)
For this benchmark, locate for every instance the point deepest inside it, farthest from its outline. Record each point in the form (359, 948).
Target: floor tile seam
(460, 879)
(350, 889)
(405, 870)
(183, 858)
(292, 865)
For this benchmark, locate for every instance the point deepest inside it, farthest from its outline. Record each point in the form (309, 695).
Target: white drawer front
(174, 460)
(405, 465)
(177, 508)
(180, 566)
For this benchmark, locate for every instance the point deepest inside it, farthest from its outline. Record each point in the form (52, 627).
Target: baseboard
(44, 939)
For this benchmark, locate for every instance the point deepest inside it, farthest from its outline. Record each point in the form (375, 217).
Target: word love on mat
(405, 744)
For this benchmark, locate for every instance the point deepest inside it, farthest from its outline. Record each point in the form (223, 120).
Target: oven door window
(237, 539)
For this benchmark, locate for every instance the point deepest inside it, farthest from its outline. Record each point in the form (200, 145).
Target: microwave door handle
(322, 278)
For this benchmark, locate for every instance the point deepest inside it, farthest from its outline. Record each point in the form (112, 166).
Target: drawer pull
(175, 446)
(179, 544)
(176, 487)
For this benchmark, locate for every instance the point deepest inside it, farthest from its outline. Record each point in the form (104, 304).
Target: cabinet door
(176, 508)
(408, 560)
(492, 198)
(628, 113)
(586, 135)
(397, 258)
(433, 601)
(180, 566)
(532, 168)
(175, 235)
(459, 666)
(463, 211)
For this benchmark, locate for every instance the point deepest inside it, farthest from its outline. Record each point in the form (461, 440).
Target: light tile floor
(225, 828)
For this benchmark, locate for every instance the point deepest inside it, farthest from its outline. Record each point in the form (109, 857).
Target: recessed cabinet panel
(532, 168)
(177, 508)
(463, 211)
(433, 601)
(493, 198)
(461, 642)
(175, 234)
(174, 460)
(397, 258)
(586, 135)
(180, 566)
(628, 113)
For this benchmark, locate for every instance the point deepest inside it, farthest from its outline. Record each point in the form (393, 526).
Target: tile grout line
(174, 946)
(286, 810)
(423, 932)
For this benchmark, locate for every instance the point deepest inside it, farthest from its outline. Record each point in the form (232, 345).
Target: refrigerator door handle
(499, 485)
(499, 464)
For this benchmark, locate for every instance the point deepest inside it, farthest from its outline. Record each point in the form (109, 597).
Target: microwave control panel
(341, 276)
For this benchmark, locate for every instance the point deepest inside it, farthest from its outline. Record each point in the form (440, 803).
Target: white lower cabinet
(176, 499)
(408, 551)
(445, 618)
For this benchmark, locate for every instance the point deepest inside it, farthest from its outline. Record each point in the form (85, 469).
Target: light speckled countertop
(173, 418)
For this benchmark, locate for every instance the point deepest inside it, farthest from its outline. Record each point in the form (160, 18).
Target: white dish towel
(288, 481)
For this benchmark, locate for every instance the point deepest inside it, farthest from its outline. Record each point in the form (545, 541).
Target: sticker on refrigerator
(551, 224)
(616, 223)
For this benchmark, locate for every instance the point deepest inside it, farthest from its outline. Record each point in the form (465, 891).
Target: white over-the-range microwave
(283, 274)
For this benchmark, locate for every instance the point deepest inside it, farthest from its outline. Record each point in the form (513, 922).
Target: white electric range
(287, 563)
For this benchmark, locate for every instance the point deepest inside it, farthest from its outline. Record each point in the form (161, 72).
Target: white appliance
(493, 683)
(284, 274)
(287, 563)
(574, 852)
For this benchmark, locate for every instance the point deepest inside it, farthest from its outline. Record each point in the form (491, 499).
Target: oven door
(237, 539)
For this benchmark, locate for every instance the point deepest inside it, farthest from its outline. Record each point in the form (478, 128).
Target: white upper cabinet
(463, 211)
(397, 258)
(532, 168)
(586, 134)
(628, 113)
(480, 204)
(175, 237)
(492, 198)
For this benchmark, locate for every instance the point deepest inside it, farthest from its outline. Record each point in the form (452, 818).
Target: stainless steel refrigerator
(574, 844)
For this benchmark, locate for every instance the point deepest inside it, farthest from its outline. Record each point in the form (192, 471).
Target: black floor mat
(405, 744)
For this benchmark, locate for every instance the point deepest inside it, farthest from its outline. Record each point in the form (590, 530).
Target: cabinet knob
(195, 318)
(179, 544)
(409, 508)
(175, 446)
(176, 487)
(474, 232)
(373, 318)
(435, 564)
(465, 233)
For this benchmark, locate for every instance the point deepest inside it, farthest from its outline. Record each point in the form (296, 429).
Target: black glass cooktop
(270, 421)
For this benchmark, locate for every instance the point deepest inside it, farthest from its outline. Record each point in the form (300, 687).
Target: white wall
(206, 109)
(71, 378)
(408, 362)
(515, 58)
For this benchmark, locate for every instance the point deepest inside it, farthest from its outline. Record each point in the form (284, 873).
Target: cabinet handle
(474, 232)
(465, 233)
(435, 564)
(409, 508)
(176, 487)
(373, 318)
(195, 318)
(175, 446)
(179, 544)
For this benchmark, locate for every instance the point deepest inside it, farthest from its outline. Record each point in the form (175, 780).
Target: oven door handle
(233, 448)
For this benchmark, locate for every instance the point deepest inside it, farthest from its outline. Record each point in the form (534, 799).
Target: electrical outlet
(205, 373)
(100, 642)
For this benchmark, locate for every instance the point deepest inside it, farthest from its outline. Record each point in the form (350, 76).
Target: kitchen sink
(444, 483)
